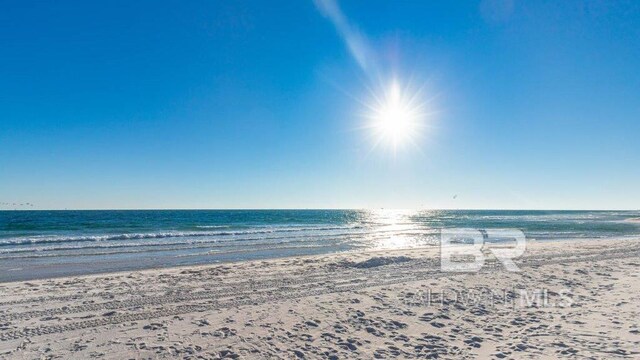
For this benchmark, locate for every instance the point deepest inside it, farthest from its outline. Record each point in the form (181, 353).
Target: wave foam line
(159, 235)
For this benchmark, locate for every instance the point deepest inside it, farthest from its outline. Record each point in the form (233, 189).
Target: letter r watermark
(461, 249)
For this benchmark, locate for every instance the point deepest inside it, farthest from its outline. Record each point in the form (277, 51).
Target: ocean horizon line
(329, 209)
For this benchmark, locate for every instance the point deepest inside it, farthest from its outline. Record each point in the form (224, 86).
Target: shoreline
(346, 253)
(347, 305)
(41, 245)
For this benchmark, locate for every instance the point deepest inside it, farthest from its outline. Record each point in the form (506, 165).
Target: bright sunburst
(397, 117)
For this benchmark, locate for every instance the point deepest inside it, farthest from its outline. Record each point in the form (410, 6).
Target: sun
(394, 118)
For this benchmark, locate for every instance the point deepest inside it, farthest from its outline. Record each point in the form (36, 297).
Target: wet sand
(570, 299)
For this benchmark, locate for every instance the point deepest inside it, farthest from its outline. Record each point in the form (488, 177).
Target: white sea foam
(160, 235)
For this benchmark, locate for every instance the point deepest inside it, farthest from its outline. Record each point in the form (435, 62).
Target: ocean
(43, 244)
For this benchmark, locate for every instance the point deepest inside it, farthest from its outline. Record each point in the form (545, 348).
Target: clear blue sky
(255, 104)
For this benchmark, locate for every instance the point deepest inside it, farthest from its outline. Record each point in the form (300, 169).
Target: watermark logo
(483, 298)
(465, 250)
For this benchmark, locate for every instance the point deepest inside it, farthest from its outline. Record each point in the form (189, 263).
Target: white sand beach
(392, 304)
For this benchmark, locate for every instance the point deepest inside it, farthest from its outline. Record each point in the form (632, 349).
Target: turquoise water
(39, 244)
